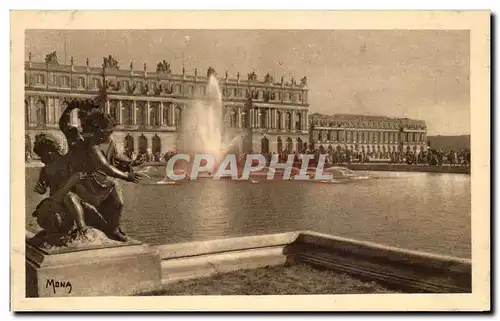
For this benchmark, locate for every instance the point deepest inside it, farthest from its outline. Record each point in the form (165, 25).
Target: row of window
(141, 115)
(41, 114)
(369, 149)
(275, 123)
(365, 124)
(125, 85)
(262, 94)
(143, 146)
(62, 81)
(374, 137)
(154, 117)
(289, 146)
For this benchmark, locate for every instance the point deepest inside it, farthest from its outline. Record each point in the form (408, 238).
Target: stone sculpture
(85, 202)
(51, 58)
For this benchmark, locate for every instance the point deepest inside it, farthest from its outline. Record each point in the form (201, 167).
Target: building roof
(361, 117)
(197, 75)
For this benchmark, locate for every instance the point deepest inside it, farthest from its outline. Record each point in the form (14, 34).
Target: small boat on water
(166, 182)
(338, 174)
(344, 173)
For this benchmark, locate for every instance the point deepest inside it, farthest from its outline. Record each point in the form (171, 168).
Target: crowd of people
(146, 156)
(434, 157)
(339, 157)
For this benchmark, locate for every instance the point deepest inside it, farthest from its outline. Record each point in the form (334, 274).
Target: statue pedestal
(111, 270)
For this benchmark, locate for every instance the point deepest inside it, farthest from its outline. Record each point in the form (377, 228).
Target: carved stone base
(93, 270)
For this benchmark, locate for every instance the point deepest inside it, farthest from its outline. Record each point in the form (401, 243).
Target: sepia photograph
(304, 160)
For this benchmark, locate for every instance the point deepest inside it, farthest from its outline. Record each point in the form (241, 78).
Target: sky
(420, 74)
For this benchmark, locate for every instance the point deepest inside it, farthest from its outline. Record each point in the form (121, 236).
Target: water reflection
(213, 216)
(422, 211)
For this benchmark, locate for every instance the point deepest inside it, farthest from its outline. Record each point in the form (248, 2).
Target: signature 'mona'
(59, 285)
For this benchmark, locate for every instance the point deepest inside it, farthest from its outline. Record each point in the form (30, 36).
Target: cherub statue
(93, 152)
(63, 212)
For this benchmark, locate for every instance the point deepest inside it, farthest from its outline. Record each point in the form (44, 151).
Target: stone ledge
(126, 269)
(182, 250)
(207, 265)
(412, 270)
(138, 268)
(101, 242)
(409, 168)
(41, 258)
(374, 250)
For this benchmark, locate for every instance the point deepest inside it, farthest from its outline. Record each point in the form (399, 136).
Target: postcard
(250, 161)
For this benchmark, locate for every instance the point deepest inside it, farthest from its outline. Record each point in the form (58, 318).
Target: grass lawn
(276, 280)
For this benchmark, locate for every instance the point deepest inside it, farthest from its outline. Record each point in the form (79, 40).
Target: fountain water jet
(202, 130)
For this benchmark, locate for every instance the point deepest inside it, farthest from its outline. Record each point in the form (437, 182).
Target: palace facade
(269, 115)
(376, 135)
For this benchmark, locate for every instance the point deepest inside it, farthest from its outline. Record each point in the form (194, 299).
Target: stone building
(370, 134)
(149, 106)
